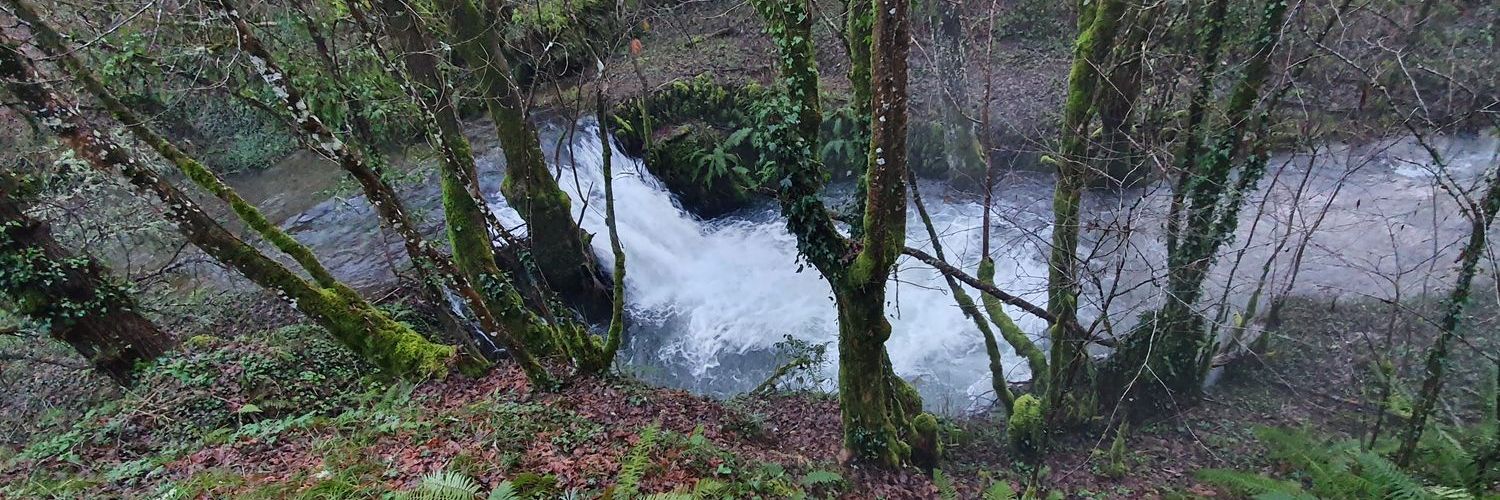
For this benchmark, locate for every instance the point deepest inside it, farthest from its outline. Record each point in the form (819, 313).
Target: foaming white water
(709, 299)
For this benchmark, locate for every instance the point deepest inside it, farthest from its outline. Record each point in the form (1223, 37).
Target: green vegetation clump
(212, 384)
(554, 38)
(1025, 428)
(291, 371)
(1446, 468)
(695, 137)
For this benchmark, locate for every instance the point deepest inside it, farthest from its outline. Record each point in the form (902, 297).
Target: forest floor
(181, 435)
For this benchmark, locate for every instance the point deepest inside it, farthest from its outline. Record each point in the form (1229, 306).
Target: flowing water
(709, 300)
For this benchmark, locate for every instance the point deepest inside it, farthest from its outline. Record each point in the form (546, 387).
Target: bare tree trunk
(73, 296)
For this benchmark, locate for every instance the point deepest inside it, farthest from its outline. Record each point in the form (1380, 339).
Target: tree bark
(1117, 99)
(998, 382)
(1481, 217)
(73, 296)
(1171, 345)
(961, 148)
(878, 408)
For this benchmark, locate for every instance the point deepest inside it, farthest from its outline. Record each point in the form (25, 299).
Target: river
(709, 300)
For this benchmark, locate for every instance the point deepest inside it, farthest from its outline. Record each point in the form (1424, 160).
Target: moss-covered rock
(699, 164)
(694, 135)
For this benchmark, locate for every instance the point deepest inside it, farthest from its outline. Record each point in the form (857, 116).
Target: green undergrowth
(694, 136)
(555, 38)
(292, 414)
(1310, 466)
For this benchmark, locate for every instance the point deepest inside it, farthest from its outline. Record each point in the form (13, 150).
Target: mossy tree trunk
(72, 296)
(437, 292)
(468, 220)
(859, 25)
(961, 147)
(878, 408)
(312, 131)
(1481, 215)
(367, 331)
(1069, 394)
(1211, 39)
(315, 133)
(560, 248)
(1172, 345)
(1117, 99)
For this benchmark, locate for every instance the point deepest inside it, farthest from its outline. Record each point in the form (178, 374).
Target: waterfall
(709, 299)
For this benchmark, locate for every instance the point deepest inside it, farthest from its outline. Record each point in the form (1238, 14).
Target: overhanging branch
(958, 274)
(1035, 310)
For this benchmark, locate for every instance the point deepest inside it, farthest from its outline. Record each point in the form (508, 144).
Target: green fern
(633, 468)
(822, 478)
(946, 490)
(504, 491)
(709, 488)
(1249, 483)
(1392, 482)
(445, 485)
(1000, 490)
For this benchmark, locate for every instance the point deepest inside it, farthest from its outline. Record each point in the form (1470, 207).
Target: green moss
(389, 344)
(927, 447)
(199, 342)
(1036, 360)
(553, 38)
(1025, 429)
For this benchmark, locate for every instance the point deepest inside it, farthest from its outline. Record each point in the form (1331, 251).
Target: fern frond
(709, 488)
(446, 485)
(822, 477)
(1389, 478)
(1247, 483)
(633, 468)
(945, 487)
(1000, 490)
(504, 491)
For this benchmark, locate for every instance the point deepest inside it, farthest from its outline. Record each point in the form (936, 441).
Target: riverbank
(595, 435)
